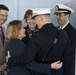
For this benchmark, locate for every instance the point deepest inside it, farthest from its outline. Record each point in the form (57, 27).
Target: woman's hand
(8, 56)
(3, 67)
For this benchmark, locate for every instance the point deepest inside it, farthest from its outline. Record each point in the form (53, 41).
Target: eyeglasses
(3, 15)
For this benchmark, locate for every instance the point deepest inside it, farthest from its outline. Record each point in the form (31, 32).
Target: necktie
(2, 35)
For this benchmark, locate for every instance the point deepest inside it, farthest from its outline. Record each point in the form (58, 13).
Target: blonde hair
(13, 29)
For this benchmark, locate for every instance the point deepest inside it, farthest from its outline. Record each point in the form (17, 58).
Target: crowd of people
(40, 48)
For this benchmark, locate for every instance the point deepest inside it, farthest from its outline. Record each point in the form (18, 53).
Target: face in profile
(21, 33)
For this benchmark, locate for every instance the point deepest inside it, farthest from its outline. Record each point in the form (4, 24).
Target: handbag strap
(55, 41)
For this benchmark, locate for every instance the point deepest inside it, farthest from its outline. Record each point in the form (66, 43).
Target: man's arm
(44, 68)
(39, 67)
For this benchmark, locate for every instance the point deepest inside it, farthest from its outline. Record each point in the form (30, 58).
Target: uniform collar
(64, 25)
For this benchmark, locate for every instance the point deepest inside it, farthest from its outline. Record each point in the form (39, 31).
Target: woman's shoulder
(15, 44)
(15, 47)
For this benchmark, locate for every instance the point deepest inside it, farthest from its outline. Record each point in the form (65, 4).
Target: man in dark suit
(3, 18)
(47, 42)
(63, 14)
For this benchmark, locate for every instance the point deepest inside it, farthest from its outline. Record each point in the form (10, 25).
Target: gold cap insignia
(34, 14)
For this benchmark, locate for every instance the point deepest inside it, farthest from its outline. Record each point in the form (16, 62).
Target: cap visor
(33, 17)
(58, 13)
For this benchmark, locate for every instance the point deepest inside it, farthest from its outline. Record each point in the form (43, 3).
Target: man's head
(41, 16)
(3, 14)
(63, 13)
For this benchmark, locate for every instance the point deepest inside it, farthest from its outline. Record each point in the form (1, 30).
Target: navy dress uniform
(40, 44)
(71, 31)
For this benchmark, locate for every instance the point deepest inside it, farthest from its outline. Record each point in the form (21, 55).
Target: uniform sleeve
(39, 67)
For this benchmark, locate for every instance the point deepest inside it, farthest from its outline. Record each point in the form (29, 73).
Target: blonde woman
(15, 32)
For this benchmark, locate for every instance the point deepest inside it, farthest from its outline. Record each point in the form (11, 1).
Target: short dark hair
(27, 14)
(3, 7)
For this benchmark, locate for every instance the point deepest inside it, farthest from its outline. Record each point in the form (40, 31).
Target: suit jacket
(2, 54)
(71, 31)
(39, 46)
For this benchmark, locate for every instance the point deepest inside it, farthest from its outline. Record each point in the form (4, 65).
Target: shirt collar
(64, 25)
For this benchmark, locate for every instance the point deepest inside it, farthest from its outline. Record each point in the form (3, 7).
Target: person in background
(63, 14)
(14, 34)
(31, 26)
(3, 18)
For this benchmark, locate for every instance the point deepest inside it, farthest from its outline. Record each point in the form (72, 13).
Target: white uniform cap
(41, 11)
(60, 8)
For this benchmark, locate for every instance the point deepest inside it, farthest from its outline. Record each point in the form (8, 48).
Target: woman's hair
(13, 29)
(27, 14)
